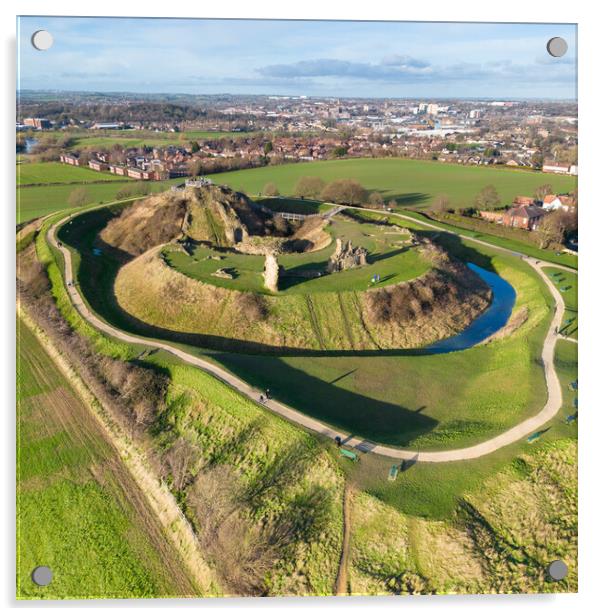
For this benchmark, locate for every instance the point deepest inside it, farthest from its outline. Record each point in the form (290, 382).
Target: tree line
(344, 191)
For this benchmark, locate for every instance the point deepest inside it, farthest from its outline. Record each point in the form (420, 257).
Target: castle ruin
(271, 271)
(345, 257)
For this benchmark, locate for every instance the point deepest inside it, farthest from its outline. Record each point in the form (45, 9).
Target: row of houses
(527, 213)
(156, 172)
(550, 166)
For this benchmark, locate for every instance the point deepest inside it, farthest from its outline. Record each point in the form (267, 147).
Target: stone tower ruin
(270, 272)
(345, 256)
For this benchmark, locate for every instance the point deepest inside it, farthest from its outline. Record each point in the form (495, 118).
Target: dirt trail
(158, 496)
(341, 586)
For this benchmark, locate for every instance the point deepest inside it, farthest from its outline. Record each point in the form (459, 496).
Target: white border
(590, 110)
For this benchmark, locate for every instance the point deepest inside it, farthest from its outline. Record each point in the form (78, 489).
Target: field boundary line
(161, 500)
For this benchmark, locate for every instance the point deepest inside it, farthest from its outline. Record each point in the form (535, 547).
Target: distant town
(158, 138)
(272, 129)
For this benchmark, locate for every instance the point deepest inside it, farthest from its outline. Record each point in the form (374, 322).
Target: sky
(312, 58)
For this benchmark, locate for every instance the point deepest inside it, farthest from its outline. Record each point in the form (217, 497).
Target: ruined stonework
(346, 257)
(270, 273)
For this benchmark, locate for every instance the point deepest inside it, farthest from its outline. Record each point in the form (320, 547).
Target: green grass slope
(500, 537)
(264, 497)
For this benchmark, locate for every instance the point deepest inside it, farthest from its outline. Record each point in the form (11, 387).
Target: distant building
(138, 174)
(117, 170)
(98, 165)
(561, 168)
(107, 126)
(39, 123)
(523, 200)
(524, 217)
(558, 202)
(70, 159)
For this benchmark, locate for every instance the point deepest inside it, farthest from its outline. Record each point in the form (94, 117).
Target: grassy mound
(440, 303)
(212, 214)
(500, 538)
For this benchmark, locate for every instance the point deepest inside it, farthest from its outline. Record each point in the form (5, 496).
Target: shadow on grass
(410, 199)
(375, 420)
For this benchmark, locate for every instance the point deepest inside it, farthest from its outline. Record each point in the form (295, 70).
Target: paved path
(569, 339)
(518, 432)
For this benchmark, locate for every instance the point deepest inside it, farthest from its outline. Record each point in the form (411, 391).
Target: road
(518, 432)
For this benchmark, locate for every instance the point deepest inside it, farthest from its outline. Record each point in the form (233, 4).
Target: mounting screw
(42, 576)
(557, 47)
(42, 40)
(557, 570)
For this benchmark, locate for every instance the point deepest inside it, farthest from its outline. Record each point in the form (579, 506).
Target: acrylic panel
(297, 308)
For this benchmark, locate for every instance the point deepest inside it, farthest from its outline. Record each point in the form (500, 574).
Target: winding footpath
(518, 432)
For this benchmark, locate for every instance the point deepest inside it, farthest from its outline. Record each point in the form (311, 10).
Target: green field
(136, 139)
(388, 256)
(78, 510)
(412, 183)
(35, 201)
(59, 173)
(294, 206)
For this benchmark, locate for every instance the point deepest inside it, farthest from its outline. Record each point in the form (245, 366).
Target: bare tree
(271, 190)
(488, 198)
(553, 228)
(440, 204)
(309, 186)
(79, 196)
(542, 191)
(346, 192)
(376, 201)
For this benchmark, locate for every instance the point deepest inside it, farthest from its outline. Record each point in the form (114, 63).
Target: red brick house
(70, 159)
(98, 165)
(524, 217)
